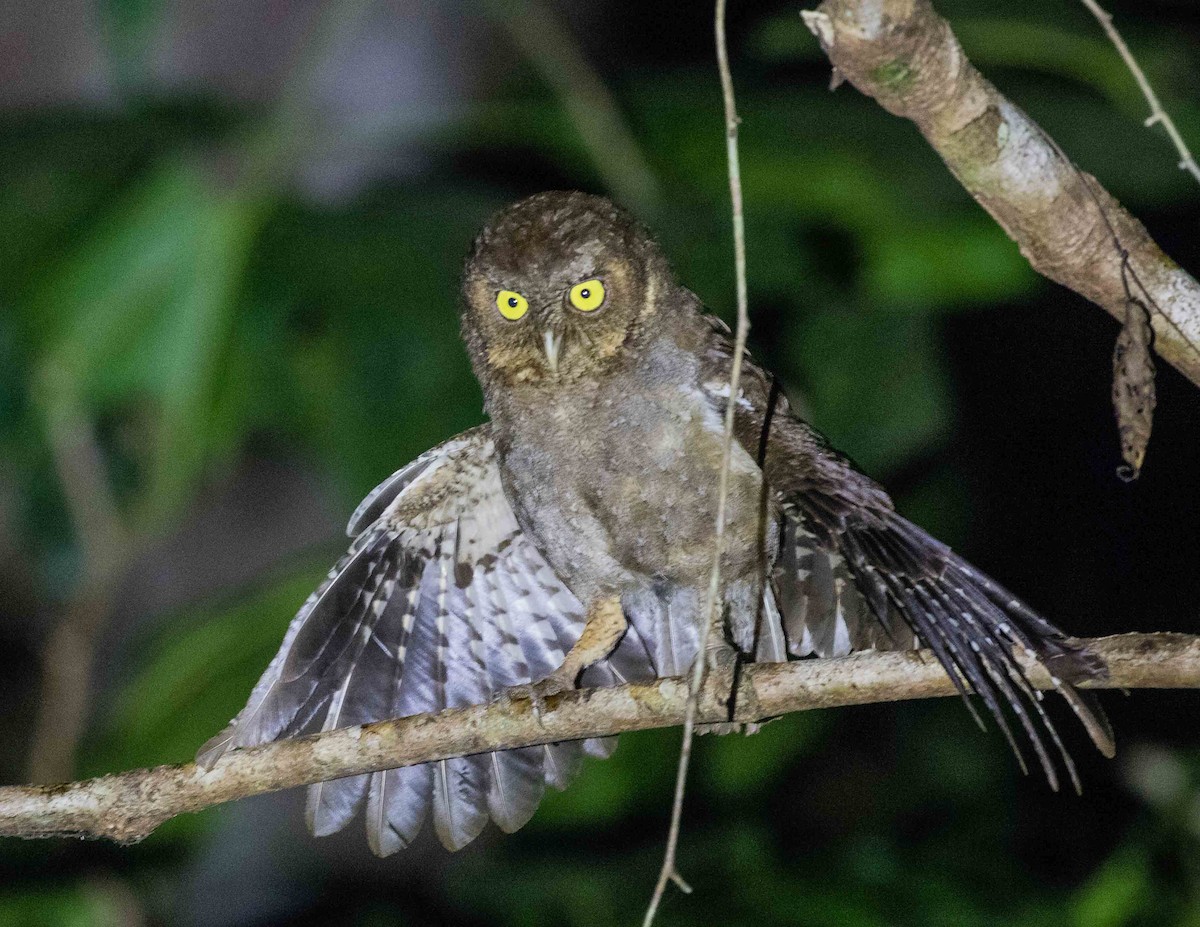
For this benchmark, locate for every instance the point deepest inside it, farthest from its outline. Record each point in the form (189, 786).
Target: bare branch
(1157, 113)
(904, 55)
(128, 806)
(540, 32)
(713, 613)
(104, 550)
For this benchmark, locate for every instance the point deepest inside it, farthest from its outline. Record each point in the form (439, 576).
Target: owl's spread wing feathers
(441, 602)
(851, 574)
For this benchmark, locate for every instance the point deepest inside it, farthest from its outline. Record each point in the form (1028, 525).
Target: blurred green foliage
(160, 277)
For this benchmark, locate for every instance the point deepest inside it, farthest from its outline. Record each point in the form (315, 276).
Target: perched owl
(570, 540)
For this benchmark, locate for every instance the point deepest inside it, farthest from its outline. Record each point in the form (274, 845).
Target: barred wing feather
(851, 574)
(441, 602)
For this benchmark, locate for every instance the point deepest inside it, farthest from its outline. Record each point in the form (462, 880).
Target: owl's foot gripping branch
(128, 806)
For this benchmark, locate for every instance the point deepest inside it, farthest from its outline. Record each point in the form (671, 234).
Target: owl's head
(555, 286)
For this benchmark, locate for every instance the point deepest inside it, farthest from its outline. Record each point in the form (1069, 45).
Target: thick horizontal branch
(905, 56)
(127, 806)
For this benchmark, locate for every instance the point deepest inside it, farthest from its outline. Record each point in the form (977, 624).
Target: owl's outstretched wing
(851, 574)
(441, 602)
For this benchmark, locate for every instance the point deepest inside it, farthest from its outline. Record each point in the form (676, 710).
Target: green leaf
(85, 905)
(195, 341)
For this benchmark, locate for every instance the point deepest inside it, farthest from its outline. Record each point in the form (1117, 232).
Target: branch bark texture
(905, 56)
(128, 806)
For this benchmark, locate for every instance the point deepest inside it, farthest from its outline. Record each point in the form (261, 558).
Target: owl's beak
(552, 341)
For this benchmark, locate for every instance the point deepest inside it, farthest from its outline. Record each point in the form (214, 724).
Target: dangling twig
(1157, 113)
(713, 612)
(1133, 389)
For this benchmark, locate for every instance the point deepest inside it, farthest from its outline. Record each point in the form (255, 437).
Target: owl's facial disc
(554, 288)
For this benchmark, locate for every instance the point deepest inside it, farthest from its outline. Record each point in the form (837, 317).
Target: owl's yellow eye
(512, 305)
(587, 296)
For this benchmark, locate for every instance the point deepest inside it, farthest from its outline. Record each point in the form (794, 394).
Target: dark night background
(230, 233)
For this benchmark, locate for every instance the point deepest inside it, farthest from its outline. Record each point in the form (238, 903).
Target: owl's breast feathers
(617, 480)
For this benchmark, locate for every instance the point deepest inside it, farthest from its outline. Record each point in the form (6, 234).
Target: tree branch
(544, 37)
(104, 552)
(128, 806)
(904, 55)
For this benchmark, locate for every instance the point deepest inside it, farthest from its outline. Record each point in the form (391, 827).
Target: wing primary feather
(461, 783)
(443, 794)
(1004, 657)
(383, 837)
(410, 790)
(1064, 661)
(962, 616)
(973, 667)
(904, 588)
(318, 680)
(250, 727)
(941, 630)
(331, 805)
(943, 648)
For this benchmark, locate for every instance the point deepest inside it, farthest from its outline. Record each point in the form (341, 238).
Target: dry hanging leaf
(1133, 387)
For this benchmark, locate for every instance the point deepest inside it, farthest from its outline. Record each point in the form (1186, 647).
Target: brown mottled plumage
(571, 539)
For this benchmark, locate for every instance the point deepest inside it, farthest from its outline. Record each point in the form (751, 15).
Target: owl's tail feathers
(855, 580)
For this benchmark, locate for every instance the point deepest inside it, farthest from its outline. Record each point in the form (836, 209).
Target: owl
(569, 541)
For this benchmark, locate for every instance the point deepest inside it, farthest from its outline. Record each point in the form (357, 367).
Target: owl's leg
(722, 657)
(605, 626)
(720, 654)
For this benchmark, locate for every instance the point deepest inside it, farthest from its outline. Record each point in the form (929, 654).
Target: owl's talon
(720, 656)
(536, 693)
(553, 684)
(507, 697)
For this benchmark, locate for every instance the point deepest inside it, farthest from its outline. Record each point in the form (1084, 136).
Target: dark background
(230, 234)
